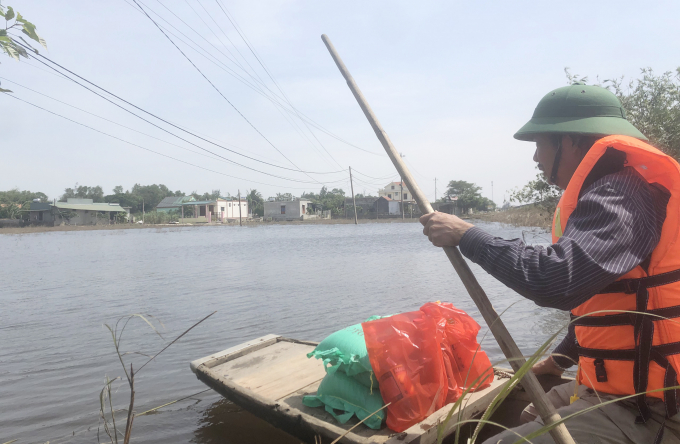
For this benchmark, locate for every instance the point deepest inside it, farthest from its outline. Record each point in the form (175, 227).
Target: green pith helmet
(579, 109)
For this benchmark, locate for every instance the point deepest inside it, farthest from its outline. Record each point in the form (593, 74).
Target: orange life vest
(623, 353)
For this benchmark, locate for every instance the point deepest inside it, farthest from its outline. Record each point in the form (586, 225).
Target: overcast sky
(450, 81)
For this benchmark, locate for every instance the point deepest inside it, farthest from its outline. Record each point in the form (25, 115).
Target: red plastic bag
(469, 365)
(406, 357)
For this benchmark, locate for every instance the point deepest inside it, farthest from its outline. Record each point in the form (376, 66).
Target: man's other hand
(547, 367)
(444, 230)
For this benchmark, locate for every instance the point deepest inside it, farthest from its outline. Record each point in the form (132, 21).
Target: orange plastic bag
(406, 357)
(469, 365)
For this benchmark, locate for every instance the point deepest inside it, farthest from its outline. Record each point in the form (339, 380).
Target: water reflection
(548, 322)
(226, 422)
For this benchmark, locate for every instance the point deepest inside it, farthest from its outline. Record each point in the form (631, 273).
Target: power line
(64, 77)
(241, 33)
(375, 184)
(171, 124)
(111, 121)
(299, 114)
(223, 67)
(279, 106)
(235, 60)
(377, 178)
(268, 74)
(226, 36)
(148, 149)
(219, 92)
(412, 168)
(217, 62)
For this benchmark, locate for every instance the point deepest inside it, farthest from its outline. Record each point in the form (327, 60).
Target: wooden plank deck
(269, 376)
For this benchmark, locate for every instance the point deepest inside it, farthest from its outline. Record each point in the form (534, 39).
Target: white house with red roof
(394, 192)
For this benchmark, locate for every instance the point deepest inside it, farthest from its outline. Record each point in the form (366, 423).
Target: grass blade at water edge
(170, 403)
(175, 340)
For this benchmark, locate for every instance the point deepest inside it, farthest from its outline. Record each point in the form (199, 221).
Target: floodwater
(59, 289)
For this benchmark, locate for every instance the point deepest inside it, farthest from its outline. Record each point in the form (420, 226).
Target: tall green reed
(109, 417)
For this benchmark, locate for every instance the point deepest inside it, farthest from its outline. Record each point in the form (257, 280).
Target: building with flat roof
(217, 210)
(287, 209)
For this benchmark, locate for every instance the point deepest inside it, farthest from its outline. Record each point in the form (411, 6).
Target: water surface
(302, 281)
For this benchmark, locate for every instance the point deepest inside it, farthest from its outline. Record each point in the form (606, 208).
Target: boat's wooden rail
(268, 376)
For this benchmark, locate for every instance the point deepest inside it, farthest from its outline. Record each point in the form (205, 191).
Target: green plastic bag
(343, 397)
(345, 350)
(367, 379)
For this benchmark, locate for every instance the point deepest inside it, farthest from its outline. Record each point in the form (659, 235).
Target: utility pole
(142, 211)
(182, 212)
(240, 223)
(401, 179)
(354, 202)
(402, 197)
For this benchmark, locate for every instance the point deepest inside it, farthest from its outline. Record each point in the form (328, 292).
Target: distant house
(394, 190)
(449, 205)
(288, 210)
(229, 208)
(385, 205)
(173, 203)
(365, 206)
(76, 212)
(218, 210)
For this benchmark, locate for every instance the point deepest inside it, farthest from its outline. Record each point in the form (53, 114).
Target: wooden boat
(268, 376)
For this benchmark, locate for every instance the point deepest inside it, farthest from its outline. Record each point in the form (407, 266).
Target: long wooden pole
(496, 325)
(354, 202)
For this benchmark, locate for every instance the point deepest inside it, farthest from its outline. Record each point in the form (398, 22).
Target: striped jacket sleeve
(614, 227)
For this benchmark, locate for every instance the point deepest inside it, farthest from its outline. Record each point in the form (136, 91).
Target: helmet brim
(588, 126)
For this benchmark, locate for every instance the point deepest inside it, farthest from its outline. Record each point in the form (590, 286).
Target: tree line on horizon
(147, 197)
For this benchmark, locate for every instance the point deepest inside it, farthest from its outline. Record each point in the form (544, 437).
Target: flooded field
(60, 288)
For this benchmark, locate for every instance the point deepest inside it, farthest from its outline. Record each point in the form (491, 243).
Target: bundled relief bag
(367, 379)
(343, 397)
(463, 357)
(345, 350)
(424, 359)
(406, 356)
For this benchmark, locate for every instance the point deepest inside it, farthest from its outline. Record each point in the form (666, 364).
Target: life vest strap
(643, 330)
(659, 355)
(630, 286)
(657, 314)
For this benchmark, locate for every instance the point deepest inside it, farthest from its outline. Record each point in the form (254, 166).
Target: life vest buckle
(630, 286)
(600, 371)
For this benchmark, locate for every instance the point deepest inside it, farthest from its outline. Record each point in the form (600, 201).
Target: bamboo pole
(496, 325)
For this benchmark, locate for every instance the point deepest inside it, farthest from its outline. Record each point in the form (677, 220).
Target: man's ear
(570, 147)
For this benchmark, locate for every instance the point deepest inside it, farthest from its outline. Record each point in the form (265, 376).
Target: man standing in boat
(614, 263)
